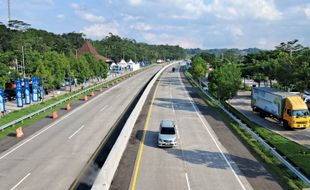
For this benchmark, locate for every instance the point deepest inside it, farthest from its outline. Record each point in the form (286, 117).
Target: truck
(287, 107)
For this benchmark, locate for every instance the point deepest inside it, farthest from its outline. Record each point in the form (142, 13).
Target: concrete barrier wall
(106, 174)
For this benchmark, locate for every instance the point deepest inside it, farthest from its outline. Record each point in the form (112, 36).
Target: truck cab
(296, 113)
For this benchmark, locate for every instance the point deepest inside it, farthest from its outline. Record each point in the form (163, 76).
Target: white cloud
(235, 31)
(141, 26)
(49, 2)
(184, 42)
(135, 2)
(85, 14)
(191, 9)
(307, 12)
(224, 9)
(99, 31)
(232, 9)
(60, 17)
(127, 17)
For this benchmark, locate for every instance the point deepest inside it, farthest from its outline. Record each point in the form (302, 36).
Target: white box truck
(286, 107)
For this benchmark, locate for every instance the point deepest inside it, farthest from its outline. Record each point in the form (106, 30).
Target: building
(88, 48)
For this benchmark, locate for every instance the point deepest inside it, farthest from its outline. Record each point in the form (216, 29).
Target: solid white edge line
(20, 181)
(187, 182)
(197, 113)
(104, 108)
(76, 131)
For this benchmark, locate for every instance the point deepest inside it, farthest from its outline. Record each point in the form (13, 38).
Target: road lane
(53, 160)
(199, 161)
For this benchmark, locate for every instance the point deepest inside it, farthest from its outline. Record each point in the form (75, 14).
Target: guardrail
(258, 138)
(105, 177)
(21, 119)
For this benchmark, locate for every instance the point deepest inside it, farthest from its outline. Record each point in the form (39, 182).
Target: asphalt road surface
(242, 102)
(53, 157)
(199, 161)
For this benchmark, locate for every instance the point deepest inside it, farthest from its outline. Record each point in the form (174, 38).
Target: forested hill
(219, 52)
(52, 56)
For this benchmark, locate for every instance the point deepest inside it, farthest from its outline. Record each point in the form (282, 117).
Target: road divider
(19, 132)
(106, 174)
(68, 107)
(54, 115)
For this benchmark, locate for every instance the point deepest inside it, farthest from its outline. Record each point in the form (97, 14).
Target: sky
(204, 24)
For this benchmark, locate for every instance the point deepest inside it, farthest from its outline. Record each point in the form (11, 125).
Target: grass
(297, 154)
(23, 112)
(284, 175)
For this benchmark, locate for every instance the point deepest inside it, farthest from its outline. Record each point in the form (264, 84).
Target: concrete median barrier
(105, 177)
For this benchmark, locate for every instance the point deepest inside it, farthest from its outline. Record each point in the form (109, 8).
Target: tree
(199, 68)
(225, 81)
(290, 46)
(4, 74)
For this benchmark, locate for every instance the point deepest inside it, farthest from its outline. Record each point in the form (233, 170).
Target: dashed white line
(104, 108)
(20, 181)
(187, 182)
(76, 131)
(53, 124)
(212, 137)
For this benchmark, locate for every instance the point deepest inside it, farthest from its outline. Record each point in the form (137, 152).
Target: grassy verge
(23, 112)
(284, 175)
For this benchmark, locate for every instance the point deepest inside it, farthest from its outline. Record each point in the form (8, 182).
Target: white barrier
(105, 177)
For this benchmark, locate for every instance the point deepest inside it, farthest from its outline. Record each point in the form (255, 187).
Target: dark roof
(89, 48)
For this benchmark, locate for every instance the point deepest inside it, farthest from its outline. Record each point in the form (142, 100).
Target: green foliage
(289, 64)
(199, 68)
(225, 81)
(117, 48)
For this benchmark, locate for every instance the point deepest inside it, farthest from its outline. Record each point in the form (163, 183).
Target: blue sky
(189, 23)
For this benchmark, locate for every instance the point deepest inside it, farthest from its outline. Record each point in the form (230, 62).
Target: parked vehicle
(167, 134)
(284, 106)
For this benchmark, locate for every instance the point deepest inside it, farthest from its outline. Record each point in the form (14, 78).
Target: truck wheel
(286, 126)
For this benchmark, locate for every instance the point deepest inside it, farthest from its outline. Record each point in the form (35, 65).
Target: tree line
(53, 56)
(288, 64)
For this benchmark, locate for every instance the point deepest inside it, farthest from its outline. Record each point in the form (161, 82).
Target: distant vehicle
(173, 69)
(167, 134)
(284, 106)
(306, 95)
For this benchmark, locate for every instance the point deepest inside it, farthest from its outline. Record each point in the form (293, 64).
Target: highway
(200, 160)
(242, 102)
(53, 157)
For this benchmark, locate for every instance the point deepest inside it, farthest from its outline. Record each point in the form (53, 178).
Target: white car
(167, 134)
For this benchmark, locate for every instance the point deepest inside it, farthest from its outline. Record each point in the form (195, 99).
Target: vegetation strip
(24, 112)
(283, 173)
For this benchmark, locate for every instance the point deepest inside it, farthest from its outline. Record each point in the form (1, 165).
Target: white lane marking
(20, 181)
(104, 108)
(212, 137)
(76, 131)
(187, 182)
(53, 124)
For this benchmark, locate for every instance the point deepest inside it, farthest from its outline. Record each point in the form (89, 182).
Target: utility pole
(23, 63)
(9, 11)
